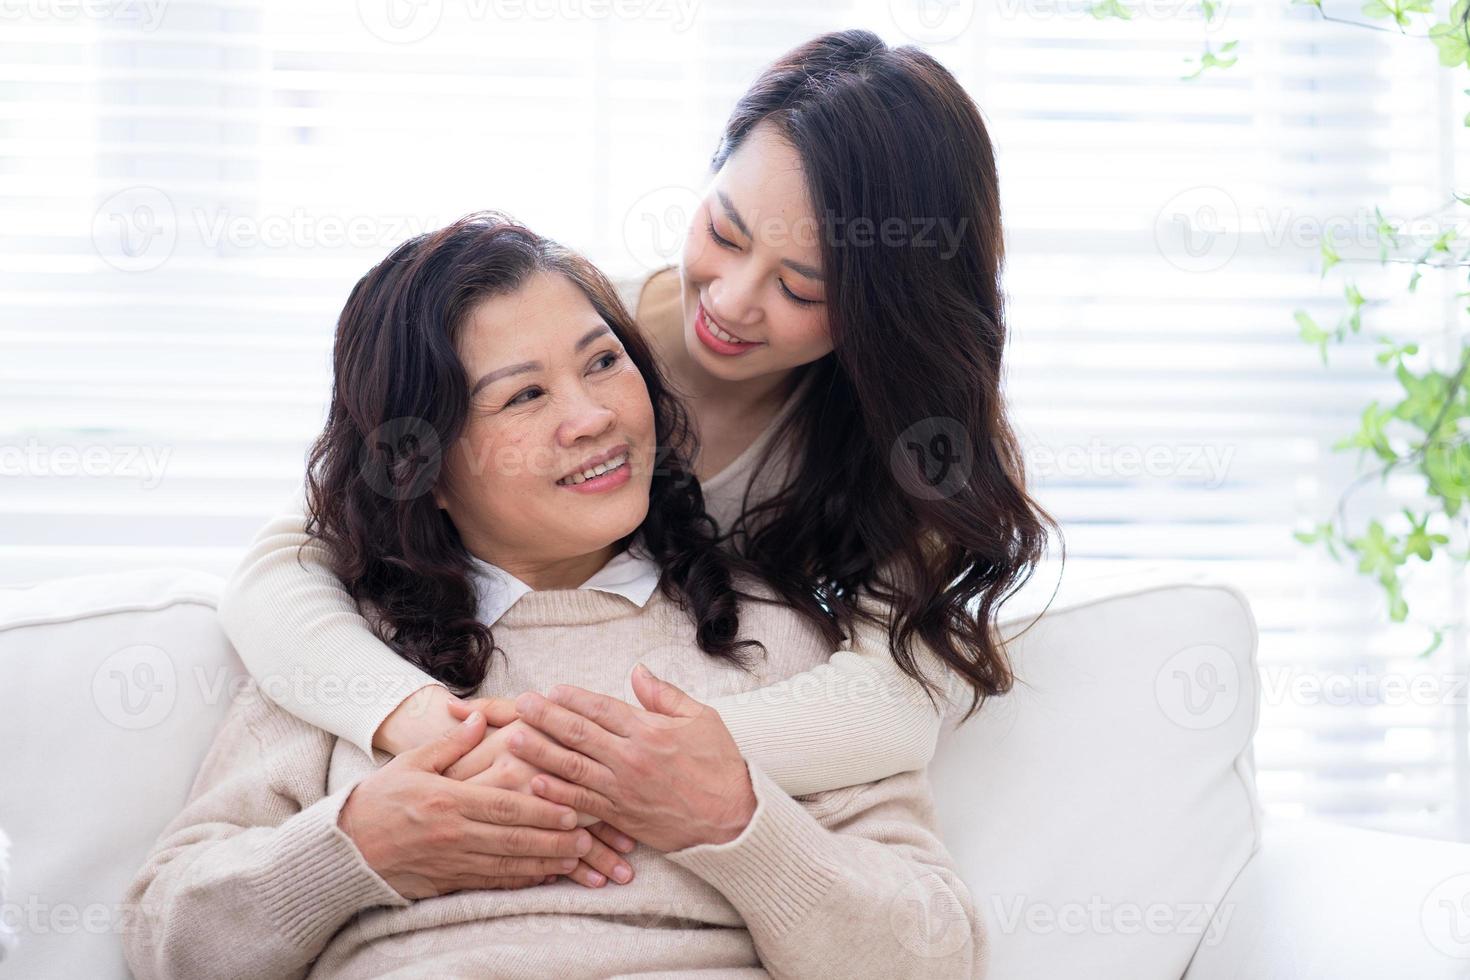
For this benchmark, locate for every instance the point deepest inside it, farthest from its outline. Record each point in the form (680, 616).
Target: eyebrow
(525, 366)
(801, 268)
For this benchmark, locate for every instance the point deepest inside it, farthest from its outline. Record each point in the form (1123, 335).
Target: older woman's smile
(605, 471)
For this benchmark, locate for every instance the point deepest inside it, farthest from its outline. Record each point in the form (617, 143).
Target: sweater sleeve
(304, 641)
(869, 891)
(254, 877)
(859, 717)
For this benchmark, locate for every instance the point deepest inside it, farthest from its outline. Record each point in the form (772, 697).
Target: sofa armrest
(1319, 900)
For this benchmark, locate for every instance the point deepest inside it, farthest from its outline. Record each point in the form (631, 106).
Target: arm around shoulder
(304, 641)
(852, 720)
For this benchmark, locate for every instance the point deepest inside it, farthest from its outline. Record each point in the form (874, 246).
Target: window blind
(190, 190)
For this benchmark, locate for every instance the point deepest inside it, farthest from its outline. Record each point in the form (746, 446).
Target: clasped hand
(668, 774)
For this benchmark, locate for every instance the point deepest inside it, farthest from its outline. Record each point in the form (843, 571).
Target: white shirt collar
(630, 574)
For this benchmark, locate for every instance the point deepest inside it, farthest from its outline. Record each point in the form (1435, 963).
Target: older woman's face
(555, 401)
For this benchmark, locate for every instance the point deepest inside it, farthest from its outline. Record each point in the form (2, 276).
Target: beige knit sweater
(255, 879)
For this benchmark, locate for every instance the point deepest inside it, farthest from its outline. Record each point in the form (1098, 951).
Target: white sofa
(1104, 813)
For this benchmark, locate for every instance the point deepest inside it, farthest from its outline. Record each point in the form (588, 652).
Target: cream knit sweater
(255, 879)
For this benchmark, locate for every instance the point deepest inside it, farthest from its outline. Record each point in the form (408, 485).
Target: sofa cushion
(1101, 809)
(114, 688)
(1098, 812)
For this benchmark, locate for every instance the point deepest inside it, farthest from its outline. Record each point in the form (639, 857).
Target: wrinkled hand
(669, 774)
(491, 764)
(427, 835)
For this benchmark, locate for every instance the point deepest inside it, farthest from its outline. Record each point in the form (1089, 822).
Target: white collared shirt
(629, 574)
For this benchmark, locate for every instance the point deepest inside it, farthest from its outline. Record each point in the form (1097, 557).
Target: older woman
(555, 538)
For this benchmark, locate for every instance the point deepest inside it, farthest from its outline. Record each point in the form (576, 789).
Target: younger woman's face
(754, 298)
(553, 394)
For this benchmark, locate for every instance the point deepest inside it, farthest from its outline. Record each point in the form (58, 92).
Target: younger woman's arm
(856, 719)
(301, 637)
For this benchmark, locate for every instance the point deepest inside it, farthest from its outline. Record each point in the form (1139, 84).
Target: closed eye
(795, 298)
(721, 240)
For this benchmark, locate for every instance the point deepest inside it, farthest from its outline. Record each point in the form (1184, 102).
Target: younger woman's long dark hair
(909, 482)
(400, 398)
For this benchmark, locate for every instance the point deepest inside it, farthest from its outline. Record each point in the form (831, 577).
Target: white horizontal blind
(1173, 415)
(189, 192)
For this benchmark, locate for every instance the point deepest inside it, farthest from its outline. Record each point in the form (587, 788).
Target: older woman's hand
(491, 764)
(670, 776)
(428, 835)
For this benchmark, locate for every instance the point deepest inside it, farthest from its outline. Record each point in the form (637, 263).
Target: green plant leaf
(1330, 257)
(1312, 333)
(1210, 60)
(1386, 234)
(1104, 9)
(1454, 47)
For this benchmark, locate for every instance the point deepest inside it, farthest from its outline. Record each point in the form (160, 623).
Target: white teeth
(594, 471)
(724, 335)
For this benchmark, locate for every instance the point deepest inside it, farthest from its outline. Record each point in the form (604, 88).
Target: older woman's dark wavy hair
(909, 483)
(400, 394)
